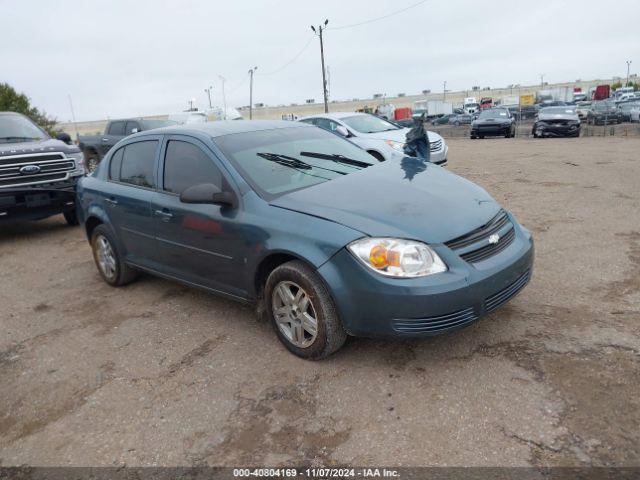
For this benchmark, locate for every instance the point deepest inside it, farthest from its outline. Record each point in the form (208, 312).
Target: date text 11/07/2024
(316, 472)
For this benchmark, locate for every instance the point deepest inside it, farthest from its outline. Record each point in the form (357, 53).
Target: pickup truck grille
(46, 168)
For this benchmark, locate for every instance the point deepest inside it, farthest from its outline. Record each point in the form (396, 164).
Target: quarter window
(116, 128)
(115, 165)
(186, 165)
(138, 163)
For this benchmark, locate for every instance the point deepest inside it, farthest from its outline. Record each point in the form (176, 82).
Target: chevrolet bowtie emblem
(493, 239)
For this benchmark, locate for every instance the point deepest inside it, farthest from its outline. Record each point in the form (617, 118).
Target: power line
(379, 18)
(295, 57)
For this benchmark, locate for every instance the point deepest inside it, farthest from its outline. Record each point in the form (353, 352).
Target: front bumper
(558, 130)
(371, 305)
(37, 202)
(490, 130)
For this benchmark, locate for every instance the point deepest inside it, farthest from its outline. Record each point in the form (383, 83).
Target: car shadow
(17, 230)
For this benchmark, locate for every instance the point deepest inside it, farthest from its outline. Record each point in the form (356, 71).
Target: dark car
(494, 122)
(460, 119)
(38, 174)
(557, 122)
(326, 239)
(95, 147)
(603, 113)
(441, 120)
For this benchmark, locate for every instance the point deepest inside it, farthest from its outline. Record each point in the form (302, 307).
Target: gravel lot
(159, 374)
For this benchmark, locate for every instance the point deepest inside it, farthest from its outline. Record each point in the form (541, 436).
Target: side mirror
(208, 193)
(342, 131)
(64, 137)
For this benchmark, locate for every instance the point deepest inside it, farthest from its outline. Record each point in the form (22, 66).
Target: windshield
(558, 111)
(16, 128)
(494, 113)
(275, 162)
(368, 124)
(150, 124)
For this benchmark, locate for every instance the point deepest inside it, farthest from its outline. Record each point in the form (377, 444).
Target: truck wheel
(92, 161)
(109, 259)
(71, 217)
(302, 312)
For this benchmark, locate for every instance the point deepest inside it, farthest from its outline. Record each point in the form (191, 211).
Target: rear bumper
(36, 203)
(371, 305)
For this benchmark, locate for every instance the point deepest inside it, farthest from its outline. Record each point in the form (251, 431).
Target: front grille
(489, 250)
(485, 231)
(436, 324)
(497, 299)
(435, 146)
(51, 167)
(480, 239)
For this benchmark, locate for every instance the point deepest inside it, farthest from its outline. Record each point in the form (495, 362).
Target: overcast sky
(127, 58)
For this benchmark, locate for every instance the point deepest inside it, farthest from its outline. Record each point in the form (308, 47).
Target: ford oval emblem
(493, 239)
(29, 169)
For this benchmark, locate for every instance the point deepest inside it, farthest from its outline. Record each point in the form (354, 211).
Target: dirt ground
(159, 374)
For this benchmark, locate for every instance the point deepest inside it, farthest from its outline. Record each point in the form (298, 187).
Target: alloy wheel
(105, 256)
(294, 314)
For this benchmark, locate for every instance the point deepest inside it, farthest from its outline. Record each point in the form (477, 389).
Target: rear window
(116, 128)
(138, 164)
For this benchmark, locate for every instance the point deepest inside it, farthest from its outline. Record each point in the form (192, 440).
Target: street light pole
(224, 99)
(542, 80)
(444, 91)
(251, 91)
(208, 92)
(324, 76)
(628, 65)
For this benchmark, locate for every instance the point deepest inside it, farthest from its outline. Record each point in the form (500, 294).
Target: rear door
(131, 184)
(202, 244)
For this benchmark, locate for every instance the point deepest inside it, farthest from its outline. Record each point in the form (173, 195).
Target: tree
(12, 101)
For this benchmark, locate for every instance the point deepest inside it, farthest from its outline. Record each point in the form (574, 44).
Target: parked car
(583, 109)
(635, 114)
(325, 239)
(381, 138)
(625, 110)
(557, 122)
(442, 120)
(95, 147)
(38, 174)
(462, 119)
(494, 122)
(603, 113)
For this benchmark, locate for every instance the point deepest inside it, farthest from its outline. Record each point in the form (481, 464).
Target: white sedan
(382, 139)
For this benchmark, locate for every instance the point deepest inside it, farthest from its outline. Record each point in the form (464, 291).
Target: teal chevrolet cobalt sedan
(328, 240)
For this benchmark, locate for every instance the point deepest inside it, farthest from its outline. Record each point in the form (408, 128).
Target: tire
(71, 216)
(285, 292)
(456, 123)
(376, 155)
(113, 271)
(91, 161)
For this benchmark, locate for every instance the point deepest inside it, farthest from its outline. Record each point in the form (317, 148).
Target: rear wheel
(109, 259)
(302, 312)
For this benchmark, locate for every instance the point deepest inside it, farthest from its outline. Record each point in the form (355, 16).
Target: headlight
(78, 157)
(395, 257)
(396, 145)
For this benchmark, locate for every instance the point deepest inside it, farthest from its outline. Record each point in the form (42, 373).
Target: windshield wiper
(295, 163)
(336, 157)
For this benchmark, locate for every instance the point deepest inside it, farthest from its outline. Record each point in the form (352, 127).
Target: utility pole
(73, 116)
(324, 76)
(628, 65)
(542, 80)
(444, 91)
(251, 71)
(224, 99)
(208, 92)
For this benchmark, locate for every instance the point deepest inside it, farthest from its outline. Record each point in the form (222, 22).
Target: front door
(201, 244)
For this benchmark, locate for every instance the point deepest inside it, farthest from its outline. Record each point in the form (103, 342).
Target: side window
(115, 164)
(186, 165)
(326, 124)
(312, 121)
(116, 128)
(131, 126)
(138, 162)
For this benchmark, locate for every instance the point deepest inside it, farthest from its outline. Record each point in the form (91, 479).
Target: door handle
(166, 216)
(111, 201)
(105, 139)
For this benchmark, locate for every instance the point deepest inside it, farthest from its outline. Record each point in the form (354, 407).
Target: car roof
(338, 115)
(226, 127)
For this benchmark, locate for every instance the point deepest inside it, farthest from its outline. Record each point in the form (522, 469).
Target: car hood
(398, 198)
(40, 146)
(545, 117)
(398, 135)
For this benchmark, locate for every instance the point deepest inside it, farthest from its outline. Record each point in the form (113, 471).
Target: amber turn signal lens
(378, 256)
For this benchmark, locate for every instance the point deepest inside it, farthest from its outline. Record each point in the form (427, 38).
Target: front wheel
(302, 311)
(91, 161)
